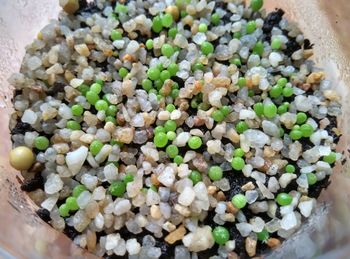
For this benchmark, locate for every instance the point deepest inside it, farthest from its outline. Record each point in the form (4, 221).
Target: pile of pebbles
(185, 129)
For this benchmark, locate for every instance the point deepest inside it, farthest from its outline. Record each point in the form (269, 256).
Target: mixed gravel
(173, 129)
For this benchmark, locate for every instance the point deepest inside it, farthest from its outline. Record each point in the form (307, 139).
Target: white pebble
(187, 196)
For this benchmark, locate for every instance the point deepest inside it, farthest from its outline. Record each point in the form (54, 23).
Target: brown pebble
(108, 52)
(273, 242)
(36, 168)
(198, 121)
(91, 240)
(174, 11)
(248, 186)
(250, 246)
(176, 235)
(128, 57)
(308, 53)
(230, 208)
(269, 152)
(315, 77)
(212, 189)
(154, 180)
(266, 166)
(304, 86)
(220, 196)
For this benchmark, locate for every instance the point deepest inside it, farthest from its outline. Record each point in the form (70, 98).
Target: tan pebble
(230, 208)
(229, 217)
(110, 127)
(250, 246)
(188, 20)
(233, 135)
(315, 77)
(212, 189)
(273, 242)
(128, 57)
(184, 211)
(82, 49)
(256, 79)
(91, 240)
(60, 160)
(308, 53)
(124, 135)
(176, 235)
(220, 196)
(269, 152)
(87, 138)
(174, 11)
(68, 75)
(221, 81)
(92, 209)
(69, 6)
(108, 52)
(331, 95)
(155, 212)
(21, 158)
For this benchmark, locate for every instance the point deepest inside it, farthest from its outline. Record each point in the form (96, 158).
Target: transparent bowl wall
(25, 235)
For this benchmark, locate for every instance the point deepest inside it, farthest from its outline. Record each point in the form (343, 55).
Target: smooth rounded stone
(53, 184)
(246, 114)
(251, 196)
(29, 117)
(121, 248)
(257, 224)
(220, 208)
(256, 138)
(289, 221)
(270, 128)
(199, 38)
(167, 177)
(122, 206)
(183, 171)
(295, 150)
(83, 199)
(257, 161)
(181, 252)
(286, 179)
(214, 146)
(152, 198)
(165, 209)
(247, 170)
(199, 240)
(76, 159)
(275, 58)
(150, 252)
(259, 207)
(164, 193)
(244, 228)
(110, 172)
(181, 139)
(176, 114)
(322, 166)
(99, 193)
(137, 121)
(288, 119)
(163, 115)
(302, 103)
(112, 241)
(222, 52)
(80, 220)
(34, 63)
(253, 61)
(276, 144)
(132, 246)
(89, 181)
